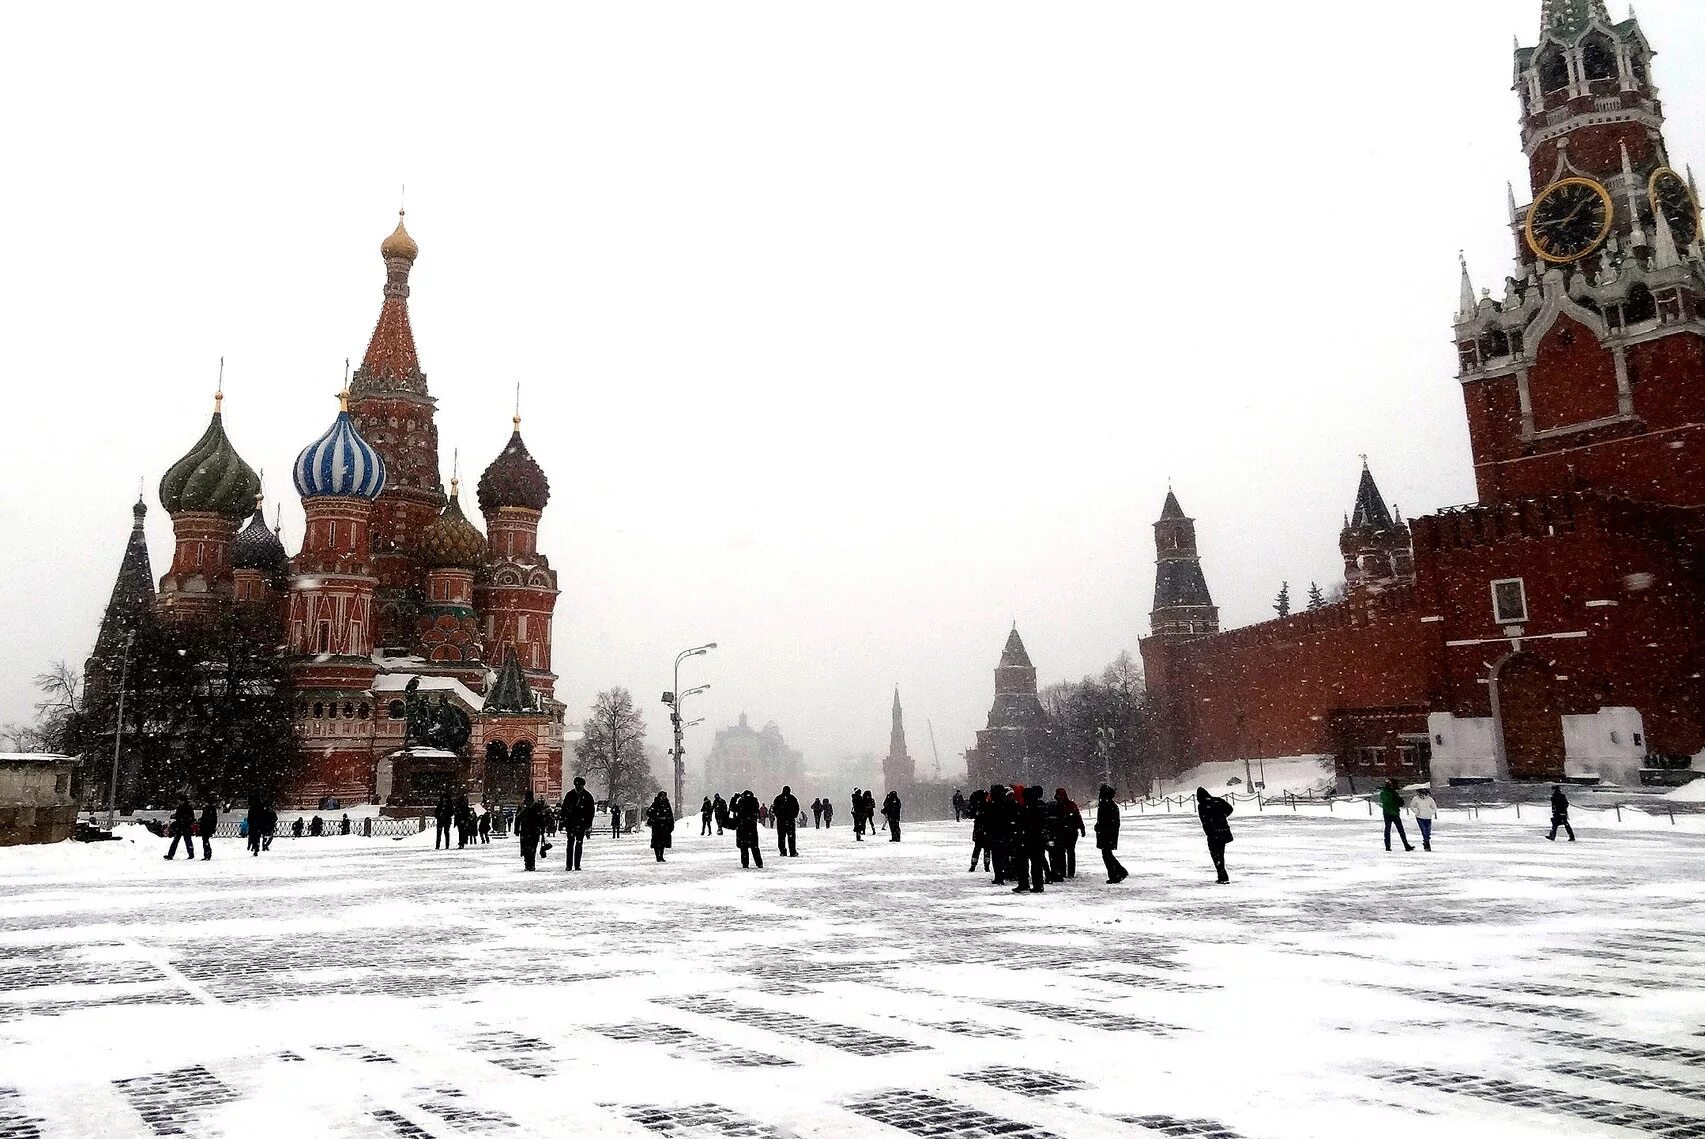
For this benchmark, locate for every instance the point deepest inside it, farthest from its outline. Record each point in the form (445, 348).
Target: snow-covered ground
(1501, 986)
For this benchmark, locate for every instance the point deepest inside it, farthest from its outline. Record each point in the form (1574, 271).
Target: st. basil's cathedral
(419, 650)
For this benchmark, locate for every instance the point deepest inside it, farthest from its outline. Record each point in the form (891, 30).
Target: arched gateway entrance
(1528, 704)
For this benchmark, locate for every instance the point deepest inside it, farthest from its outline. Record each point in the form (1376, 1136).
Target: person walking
(976, 806)
(785, 811)
(1069, 821)
(858, 814)
(1391, 806)
(870, 811)
(442, 814)
(816, 814)
(719, 807)
(615, 820)
(1214, 813)
(182, 828)
(343, 825)
(958, 805)
(530, 825)
(828, 813)
(269, 830)
(705, 812)
(1559, 813)
(660, 817)
(1032, 869)
(578, 811)
(891, 812)
(1107, 835)
(256, 825)
(207, 824)
(746, 829)
(1425, 809)
(484, 826)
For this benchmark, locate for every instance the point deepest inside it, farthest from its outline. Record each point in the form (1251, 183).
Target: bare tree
(613, 746)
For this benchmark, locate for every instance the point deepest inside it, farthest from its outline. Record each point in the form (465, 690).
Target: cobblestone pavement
(344, 986)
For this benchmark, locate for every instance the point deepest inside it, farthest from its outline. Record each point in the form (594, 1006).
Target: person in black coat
(976, 806)
(530, 826)
(182, 829)
(891, 812)
(746, 829)
(858, 814)
(705, 813)
(1107, 835)
(257, 825)
(719, 807)
(1000, 829)
(1559, 814)
(1214, 811)
(1068, 822)
(958, 805)
(828, 813)
(660, 817)
(1032, 843)
(785, 809)
(207, 824)
(442, 814)
(578, 811)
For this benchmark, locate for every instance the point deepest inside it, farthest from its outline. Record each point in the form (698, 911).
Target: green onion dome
(212, 478)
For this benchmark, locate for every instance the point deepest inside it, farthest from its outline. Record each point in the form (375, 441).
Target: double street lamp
(673, 699)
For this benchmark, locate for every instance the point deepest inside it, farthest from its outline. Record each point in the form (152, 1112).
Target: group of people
(1425, 809)
(864, 814)
(471, 826)
(185, 826)
(1021, 837)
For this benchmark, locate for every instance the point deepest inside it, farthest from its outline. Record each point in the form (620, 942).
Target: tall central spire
(391, 363)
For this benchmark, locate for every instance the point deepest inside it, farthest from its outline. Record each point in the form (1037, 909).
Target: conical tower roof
(511, 692)
(1012, 656)
(1370, 509)
(132, 590)
(1569, 20)
(1170, 511)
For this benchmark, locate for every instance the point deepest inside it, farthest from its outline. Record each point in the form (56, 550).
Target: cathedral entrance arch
(508, 771)
(1528, 706)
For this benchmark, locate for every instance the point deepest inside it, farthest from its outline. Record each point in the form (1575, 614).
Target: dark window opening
(1553, 71)
(1600, 58)
(1639, 306)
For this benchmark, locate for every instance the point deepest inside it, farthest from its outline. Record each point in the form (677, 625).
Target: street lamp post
(673, 699)
(1105, 737)
(118, 730)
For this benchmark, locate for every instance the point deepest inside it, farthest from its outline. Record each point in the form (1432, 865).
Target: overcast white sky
(848, 333)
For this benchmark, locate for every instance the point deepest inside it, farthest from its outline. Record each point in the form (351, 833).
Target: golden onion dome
(399, 244)
(451, 542)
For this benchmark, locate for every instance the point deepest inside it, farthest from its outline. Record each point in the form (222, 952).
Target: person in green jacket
(1391, 806)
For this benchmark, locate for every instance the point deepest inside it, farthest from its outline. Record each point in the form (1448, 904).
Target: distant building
(742, 758)
(36, 800)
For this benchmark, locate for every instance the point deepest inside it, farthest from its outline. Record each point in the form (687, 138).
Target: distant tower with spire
(1182, 605)
(898, 770)
(1376, 544)
(128, 611)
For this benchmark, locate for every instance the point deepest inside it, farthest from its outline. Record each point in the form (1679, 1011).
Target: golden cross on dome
(219, 390)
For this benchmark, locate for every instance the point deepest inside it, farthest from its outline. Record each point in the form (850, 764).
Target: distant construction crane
(931, 725)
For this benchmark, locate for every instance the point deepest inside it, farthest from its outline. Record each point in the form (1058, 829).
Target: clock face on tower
(1671, 197)
(1569, 220)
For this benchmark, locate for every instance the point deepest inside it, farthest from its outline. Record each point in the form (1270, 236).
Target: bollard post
(1370, 808)
(1619, 812)
(1259, 805)
(1518, 809)
(1672, 816)
(367, 827)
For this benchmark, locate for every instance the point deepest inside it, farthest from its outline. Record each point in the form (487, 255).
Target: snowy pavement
(1502, 986)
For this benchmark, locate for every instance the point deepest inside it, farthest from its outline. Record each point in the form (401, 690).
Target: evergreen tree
(1282, 604)
(1316, 599)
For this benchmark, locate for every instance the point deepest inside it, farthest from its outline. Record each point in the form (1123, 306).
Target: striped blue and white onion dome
(340, 463)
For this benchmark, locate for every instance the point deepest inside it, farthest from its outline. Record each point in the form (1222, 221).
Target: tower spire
(1466, 303)
(1636, 237)
(1665, 255)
